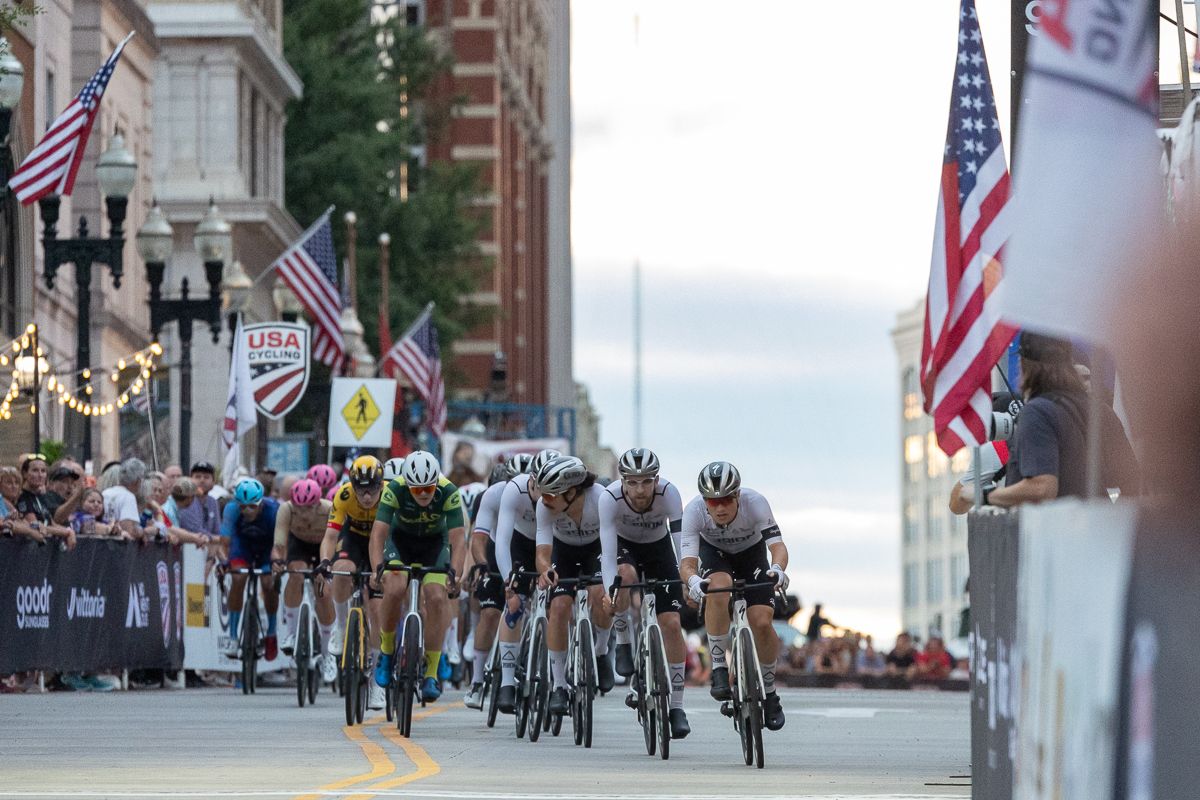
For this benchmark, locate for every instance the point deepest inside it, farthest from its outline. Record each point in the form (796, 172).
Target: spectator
(10, 490)
(1049, 454)
(64, 485)
(266, 476)
(110, 476)
(815, 623)
(172, 473)
(183, 495)
(31, 503)
(867, 660)
(121, 501)
(934, 663)
(88, 519)
(204, 514)
(153, 522)
(903, 658)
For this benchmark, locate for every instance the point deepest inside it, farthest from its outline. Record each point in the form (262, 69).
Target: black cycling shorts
(425, 551)
(574, 561)
(354, 547)
(300, 550)
(750, 565)
(523, 552)
(655, 561)
(490, 589)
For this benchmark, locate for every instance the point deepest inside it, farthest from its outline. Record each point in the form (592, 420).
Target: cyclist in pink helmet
(324, 475)
(299, 529)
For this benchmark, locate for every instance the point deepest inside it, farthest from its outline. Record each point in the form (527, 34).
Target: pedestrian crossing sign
(361, 412)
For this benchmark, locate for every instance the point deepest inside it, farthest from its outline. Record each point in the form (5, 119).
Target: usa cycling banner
(104, 605)
(206, 629)
(278, 353)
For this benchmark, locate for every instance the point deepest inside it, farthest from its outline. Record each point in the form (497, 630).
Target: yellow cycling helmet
(366, 472)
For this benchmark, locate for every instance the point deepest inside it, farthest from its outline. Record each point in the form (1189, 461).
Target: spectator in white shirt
(121, 503)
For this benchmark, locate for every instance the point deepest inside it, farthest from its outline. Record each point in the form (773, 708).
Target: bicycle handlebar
(739, 587)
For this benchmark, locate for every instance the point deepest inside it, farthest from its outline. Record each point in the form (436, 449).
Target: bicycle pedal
(727, 709)
(631, 701)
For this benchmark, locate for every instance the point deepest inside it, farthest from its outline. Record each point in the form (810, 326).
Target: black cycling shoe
(772, 712)
(506, 700)
(679, 724)
(560, 701)
(625, 666)
(604, 674)
(720, 684)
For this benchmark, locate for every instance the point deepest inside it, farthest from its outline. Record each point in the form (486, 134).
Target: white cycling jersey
(754, 524)
(558, 525)
(517, 513)
(489, 508)
(618, 519)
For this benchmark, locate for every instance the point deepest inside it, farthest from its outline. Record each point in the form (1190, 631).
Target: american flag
(50, 167)
(964, 336)
(417, 357)
(309, 268)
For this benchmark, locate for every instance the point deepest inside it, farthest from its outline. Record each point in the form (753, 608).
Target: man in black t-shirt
(903, 657)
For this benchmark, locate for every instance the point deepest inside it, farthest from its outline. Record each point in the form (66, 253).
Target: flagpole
(150, 414)
(275, 264)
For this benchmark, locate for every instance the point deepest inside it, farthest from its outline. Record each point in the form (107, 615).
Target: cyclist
(248, 526)
(489, 591)
(324, 475)
(568, 546)
(724, 533)
(517, 515)
(420, 522)
(639, 514)
(346, 549)
(299, 530)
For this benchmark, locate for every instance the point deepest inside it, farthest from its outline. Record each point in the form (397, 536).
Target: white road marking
(851, 713)
(461, 795)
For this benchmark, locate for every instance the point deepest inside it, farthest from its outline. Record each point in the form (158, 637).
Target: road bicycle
(307, 650)
(533, 668)
(582, 685)
(356, 671)
(492, 671)
(408, 667)
(650, 684)
(249, 637)
(745, 674)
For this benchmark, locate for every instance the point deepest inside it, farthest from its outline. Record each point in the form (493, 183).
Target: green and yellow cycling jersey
(406, 517)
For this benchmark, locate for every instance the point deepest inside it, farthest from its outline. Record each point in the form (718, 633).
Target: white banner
(207, 625)
(360, 412)
(1075, 562)
(480, 455)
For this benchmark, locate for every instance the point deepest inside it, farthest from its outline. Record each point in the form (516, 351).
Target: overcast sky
(774, 166)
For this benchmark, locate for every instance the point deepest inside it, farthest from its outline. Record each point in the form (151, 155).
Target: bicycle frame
(357, 608)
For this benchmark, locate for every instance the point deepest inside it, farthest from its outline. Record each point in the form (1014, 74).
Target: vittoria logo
(85, 605)
(33, 606)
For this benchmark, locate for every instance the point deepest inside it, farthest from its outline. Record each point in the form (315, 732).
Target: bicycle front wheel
(249, 646)
(660, 697)
(539, 681)
(410, 674)
(494, 675)
(751, 690)
(314, 664)
(587, 688)
(352, 677)
(301, 654)
(524, 690)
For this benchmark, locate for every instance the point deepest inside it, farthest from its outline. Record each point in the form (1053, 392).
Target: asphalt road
(218, 743)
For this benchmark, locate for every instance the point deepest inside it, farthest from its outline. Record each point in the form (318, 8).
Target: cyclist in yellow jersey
(346, 549)
(421, 522)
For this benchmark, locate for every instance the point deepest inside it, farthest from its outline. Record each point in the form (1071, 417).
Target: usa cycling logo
(33, 606)
(85, 605)
(164, 599)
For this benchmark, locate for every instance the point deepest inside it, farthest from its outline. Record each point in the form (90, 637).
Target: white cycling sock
(326, 633)
(623, 626)
(450, 645)
(768, 669)
(558, 668)
(717, 646)
(677, 681)
(602, 635)
(509, 651)
(374, 657)
(341, 611)
(480, 661)
(290, 617)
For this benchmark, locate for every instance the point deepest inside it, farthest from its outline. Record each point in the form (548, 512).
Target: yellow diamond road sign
(361, 412)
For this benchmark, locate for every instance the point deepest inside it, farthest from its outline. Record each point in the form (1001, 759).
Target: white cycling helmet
(560, 474)
(719, 479)
(420, 469)
(540, 460)
(638, 462)
(392, 468)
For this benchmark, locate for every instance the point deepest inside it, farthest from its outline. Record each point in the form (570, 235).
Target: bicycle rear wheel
(410, 673)
(352, 665)
(661, 695)
(492, 685)
(302, 654)
(539, 681)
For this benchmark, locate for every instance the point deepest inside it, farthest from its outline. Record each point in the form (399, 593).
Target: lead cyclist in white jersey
(639, 517)
(727, 533)
(515, 537)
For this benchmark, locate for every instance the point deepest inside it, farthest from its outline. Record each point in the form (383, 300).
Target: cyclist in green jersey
(420, 522)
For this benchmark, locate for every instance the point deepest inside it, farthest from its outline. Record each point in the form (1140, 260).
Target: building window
(8, 258)
(912, 395)
(938, 461)
(934, 516)
(912, 584)
(934, 588)
(51, 108)
(914, 455)
(958, 573)
(961, 462)
(912, 523)
(255, 143)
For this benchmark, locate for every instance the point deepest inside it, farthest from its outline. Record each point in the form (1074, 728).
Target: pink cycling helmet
(306, 492)
(323, 474)
(332, 491)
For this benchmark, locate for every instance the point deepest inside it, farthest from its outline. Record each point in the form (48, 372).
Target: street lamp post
(236, 286)
(12, 83)
(29, 372)
(117, 172)
(212, 241)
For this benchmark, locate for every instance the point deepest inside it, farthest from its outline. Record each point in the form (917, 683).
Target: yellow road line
(381, 765)
(426, 767)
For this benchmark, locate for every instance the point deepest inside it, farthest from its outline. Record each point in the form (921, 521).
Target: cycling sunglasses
(719, 502)
(422, 491)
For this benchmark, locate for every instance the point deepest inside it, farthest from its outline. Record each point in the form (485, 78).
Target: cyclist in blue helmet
(249, 526)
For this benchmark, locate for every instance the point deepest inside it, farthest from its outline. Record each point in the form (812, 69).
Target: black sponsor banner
(992, 543)
(1158, 745)
(105, 605)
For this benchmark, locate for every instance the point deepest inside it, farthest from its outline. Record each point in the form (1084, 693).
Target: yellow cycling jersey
(349, 513)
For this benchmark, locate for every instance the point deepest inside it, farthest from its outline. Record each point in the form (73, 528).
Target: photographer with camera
(993, 455)
(1049, 445)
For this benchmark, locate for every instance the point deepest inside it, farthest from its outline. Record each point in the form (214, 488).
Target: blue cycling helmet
(249, 492)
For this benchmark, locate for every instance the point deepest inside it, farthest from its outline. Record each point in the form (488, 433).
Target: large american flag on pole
(418, 357)
(964, 336)
(50, 168)
(309, 268)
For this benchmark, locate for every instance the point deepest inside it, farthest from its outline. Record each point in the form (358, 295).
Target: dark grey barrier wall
(105, 605)
(992, 547)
